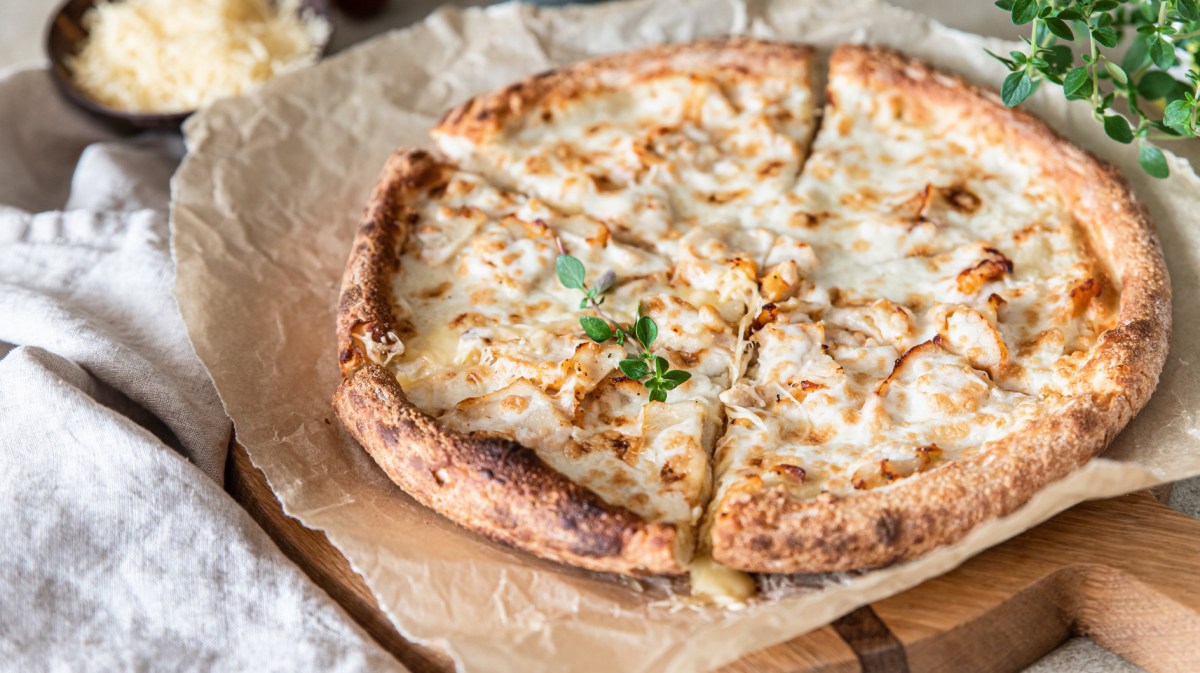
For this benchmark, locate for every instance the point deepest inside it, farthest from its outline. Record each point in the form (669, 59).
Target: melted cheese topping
(912, 296)
(952, 299)
(654, 159)
(490, 342)
(714, 583)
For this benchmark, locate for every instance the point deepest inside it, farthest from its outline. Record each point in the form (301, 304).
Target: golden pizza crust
(772, 531)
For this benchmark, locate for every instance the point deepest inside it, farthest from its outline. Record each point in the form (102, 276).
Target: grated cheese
(168, 56)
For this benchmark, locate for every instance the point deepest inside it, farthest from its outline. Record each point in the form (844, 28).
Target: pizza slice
(972, 324)
(652, 142)
(469, 379)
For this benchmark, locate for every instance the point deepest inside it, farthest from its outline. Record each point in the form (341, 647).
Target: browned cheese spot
(721, 198)
(928, 456)
(770, 169)
(514, 404)
(766, 316)
(961, 198)
(793, 472)
(604, 184)
(1082, 294)
(436, 291)
(991, 267)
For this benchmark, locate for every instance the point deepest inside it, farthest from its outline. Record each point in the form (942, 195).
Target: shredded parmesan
(787, 393)
(168, 56)
(737, 367)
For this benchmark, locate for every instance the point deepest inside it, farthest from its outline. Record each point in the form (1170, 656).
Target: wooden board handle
(1123, 572)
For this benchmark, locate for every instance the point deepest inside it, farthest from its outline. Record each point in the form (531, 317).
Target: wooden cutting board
(1124, 572)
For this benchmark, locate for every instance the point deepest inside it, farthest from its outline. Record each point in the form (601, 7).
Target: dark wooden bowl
(66, 36)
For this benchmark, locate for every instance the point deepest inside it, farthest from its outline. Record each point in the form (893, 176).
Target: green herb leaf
(1059, 28)
(646, 330)
(570, 272)
(1178, 113)
(1060, 57)
(1138, 54)
(1077, 84)
(596, 328)
(1153, 161)
(1008, 62)
(1115, 72)
(634, 369)
(675, 378)
(1118, 129)
(1163, 54)
(1189, 9)
(1017, 87)
(1164, 34)
(1157, 85)
(1023, 11)
(1106, 36)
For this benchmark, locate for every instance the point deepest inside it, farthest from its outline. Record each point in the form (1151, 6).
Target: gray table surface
(22, 30)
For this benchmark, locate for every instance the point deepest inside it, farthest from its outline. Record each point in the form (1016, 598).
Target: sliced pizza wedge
(984, 307)
(653, 142)
(469, 378)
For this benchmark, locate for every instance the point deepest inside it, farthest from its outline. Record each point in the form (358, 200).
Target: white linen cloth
(121, 550)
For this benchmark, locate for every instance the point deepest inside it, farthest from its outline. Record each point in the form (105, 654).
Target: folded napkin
(121, 549)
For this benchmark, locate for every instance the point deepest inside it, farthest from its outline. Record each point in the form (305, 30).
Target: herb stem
(1195, 109)
(1164, 45)
(1094, 67)
(612, 321)
(653, 371)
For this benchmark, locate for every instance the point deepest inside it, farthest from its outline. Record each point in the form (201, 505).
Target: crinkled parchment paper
(265, 208)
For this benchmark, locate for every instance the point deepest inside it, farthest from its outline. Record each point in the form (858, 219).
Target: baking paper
(266, 205)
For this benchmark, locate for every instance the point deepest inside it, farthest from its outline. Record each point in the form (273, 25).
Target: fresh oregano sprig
(1166, 40)
(653, 371)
